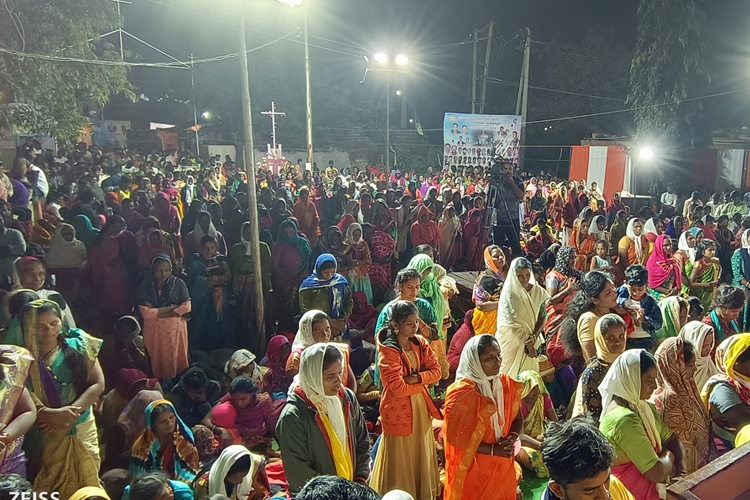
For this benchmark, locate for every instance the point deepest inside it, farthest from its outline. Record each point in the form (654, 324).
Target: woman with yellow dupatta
(322, 430)
(486, 295)
(17, 410)
(62, 447)
(537, 410)
(482, 424)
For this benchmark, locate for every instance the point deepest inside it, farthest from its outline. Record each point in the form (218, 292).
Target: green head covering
(429, 287)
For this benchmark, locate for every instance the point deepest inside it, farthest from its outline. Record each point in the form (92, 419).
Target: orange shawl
(467, 424)
(583, 248)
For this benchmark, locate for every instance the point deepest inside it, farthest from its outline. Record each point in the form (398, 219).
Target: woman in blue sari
(62, 447)
(327, 291)
(209, 281)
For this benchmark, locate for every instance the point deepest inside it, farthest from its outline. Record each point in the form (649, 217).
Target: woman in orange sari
(482, 424)
(307, 215)
(585, 246)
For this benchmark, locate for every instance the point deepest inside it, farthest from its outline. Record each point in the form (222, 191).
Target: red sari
(583, 248)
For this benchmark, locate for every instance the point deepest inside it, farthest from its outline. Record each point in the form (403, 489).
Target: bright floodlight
(205, 114)
(646, 153)
(401, 59)
(293, 3)
(398, 92)
(381, 58)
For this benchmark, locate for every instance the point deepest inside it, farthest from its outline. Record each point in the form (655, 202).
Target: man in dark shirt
(508, 225)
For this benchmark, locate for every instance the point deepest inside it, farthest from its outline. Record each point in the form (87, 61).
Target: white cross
(273, 114)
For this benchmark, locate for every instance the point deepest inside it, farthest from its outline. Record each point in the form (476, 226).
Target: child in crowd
(224, 416)
(642, 307)
(602, 261)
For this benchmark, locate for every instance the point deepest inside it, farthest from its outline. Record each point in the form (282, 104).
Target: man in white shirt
(669, 201)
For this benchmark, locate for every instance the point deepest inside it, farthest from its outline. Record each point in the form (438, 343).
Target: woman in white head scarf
(314, 329)
(482, 423)
(594, 228)
(520, 319)
(634, 247)
(701, 337)
(647, 450)
(321, 430)
(237, 473)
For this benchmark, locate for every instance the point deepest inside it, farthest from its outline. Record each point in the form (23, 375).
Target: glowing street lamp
(395, 67)
(646, 153)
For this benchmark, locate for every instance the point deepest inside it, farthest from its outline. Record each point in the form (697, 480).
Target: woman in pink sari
(475, 236)
(113, 261)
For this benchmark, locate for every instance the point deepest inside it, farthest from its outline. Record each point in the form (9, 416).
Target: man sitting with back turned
(579, 459)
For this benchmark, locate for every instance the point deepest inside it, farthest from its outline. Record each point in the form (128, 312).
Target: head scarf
(726, 356)
(623, 379)
(239, 364)
(678, 400)
(534, 423)
(198, 231)
(650, 228)
(325, 242)
(469, 367)
(310, 381)
(132, 420)
(64, 253)
(302, 245)
(619, 226)
(85, 231)
(637, 240)
(562, 263)
(695, 332)
(143, 455)
(248, 244)
(337, 285)
(304, 338)
(594, 228)
(429, 288)
(670, 312)
(683, 244)
(276, 362)
(188, 191)
(670, 229)
(350, 234)
(89, 492)
(490, 264)
(602, 351)
(660, 267)
(224, 463)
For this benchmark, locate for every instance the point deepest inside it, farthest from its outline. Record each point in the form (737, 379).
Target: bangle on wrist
(492, 451)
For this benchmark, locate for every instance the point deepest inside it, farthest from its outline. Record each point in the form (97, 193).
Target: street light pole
(195, 110)
(309, 95)
(249, 156)
(388, 124)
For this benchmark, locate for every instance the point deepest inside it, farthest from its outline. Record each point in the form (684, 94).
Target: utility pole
(474, 76)
(252, 195)
(486, 68)
(309, 95)
(195, 110)
(522, 104)
(403, 105)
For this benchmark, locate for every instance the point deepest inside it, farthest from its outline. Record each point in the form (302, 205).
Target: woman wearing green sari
(704, 277)
(62, 447)
(430, 291)
(674, 311)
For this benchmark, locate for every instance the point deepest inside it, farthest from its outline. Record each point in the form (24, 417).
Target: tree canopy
(51, 95)
(668, 67)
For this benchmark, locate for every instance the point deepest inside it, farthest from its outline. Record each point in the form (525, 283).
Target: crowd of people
(596, 340)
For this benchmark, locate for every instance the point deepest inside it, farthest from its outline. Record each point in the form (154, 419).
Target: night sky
(429, 31)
